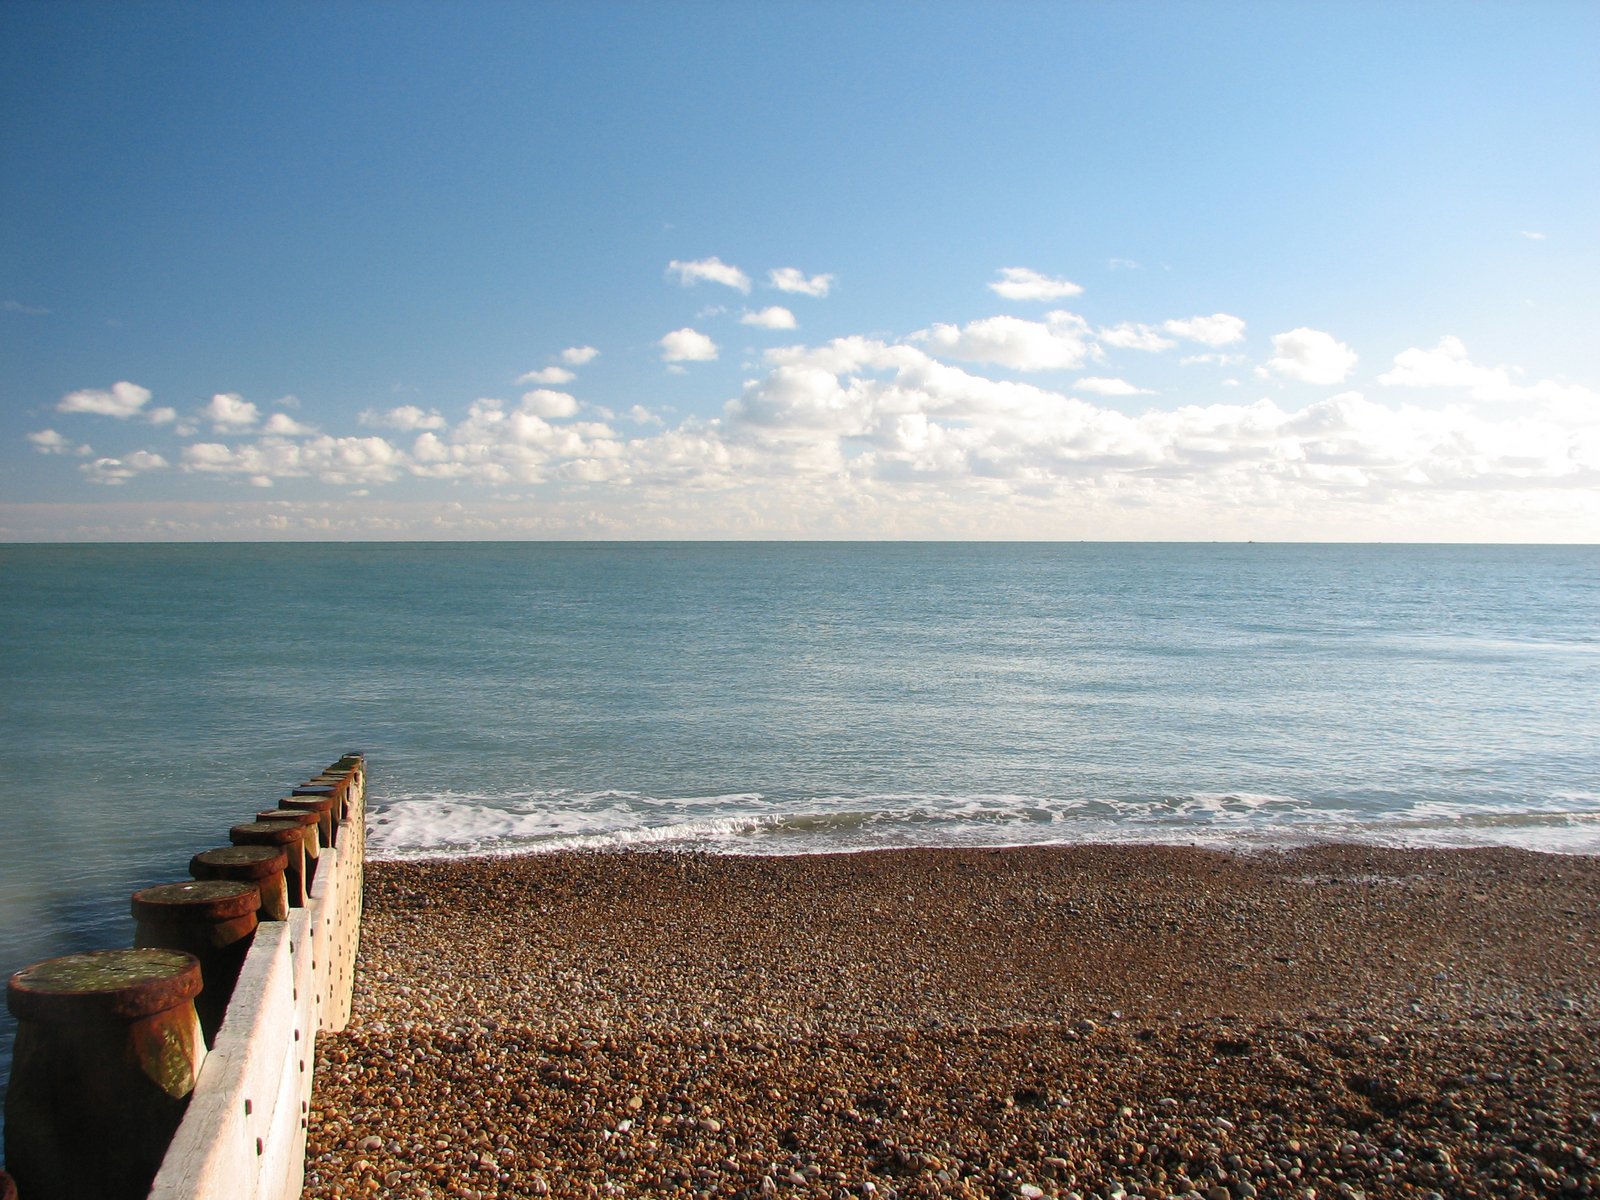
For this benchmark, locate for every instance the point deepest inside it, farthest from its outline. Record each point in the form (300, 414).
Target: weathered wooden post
(325, 806)
(290, 840)
(309, 824)
(262, 866)
(107, 1051)
(213, 920)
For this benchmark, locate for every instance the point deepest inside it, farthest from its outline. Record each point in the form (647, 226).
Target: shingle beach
(1096, 1020)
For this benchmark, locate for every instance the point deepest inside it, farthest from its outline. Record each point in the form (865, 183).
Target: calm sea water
(782, 698)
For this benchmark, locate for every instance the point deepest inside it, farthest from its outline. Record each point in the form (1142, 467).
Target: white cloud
(1532, 235)
(1311, 356)
(342, 460)
(548, 375)
(122, 400)
(1216, 360)
(641, 415)
(1129, 336)
(230, 411)
(577, 356)
(48, 441)
(775, 317)
(796, 282)
(545, 403)
(1447, 366)
(115, 471)
(1109, 387)
(1021, 283)
(407, 418)
(1059, 342)
(283, 425)
(709, 270)
(21, 309)
(687, 345)
(1219, 329)
(161, 416)
(1122, 264)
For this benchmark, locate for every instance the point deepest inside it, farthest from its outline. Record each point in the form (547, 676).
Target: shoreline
(1241, 846)
(1022, 1021)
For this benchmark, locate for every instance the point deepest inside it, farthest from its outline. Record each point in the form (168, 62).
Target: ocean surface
(782, 699)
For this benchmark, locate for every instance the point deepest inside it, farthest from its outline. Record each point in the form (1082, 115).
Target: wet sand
(1097, 1020)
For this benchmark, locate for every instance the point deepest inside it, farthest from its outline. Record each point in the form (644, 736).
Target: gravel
(1092, 1021)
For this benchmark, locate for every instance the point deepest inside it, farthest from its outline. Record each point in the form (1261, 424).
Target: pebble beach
(1090, 1021)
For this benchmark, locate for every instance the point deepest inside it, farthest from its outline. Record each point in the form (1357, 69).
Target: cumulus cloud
(547, 375)
(687, 345)
(48, 441)
(121, 400)
(1447, 365)
(1061, 341)
(115, 471)
(775, 317)
(230, 411)
(797, 282)
(577, 356)
(1021, 283)
(1216, 360)
(709, 270)
(341, 460)
(1219, 329)
(283, 425)
(863, 435)
(1311, 356)
(546, 403)
(1129, 336)
(407, 418)
(1109, 387)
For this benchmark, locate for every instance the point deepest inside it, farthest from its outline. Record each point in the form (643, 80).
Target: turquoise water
(782, 698)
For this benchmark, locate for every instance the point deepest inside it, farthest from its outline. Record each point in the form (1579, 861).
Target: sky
(1273, 271)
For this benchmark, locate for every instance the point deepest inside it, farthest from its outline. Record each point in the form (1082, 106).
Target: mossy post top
(239, 862)
(117, 985)
(196, 901)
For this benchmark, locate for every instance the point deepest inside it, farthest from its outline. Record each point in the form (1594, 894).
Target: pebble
(541, 1028)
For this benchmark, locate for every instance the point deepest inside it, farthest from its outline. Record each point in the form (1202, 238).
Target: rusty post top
(103, 985)
(311, 804)
(329, 790)
(266, 833)
(287, 816)
(240, 862)
(196, 901)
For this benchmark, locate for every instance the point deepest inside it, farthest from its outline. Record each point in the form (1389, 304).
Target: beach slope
(1155, 1021)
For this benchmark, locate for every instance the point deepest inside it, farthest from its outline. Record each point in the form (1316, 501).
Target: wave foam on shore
(450, 825)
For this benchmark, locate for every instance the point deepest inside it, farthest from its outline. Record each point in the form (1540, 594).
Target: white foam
(454, 825)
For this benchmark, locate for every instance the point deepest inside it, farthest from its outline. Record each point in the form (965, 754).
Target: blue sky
(1001, 270)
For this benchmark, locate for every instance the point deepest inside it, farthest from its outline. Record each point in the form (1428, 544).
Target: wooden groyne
(180, 1069)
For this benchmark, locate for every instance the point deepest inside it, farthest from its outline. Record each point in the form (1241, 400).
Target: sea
(781, 698)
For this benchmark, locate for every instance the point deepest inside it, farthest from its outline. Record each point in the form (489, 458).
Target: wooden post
(260, 865)
(108, 1049)
(215, 921)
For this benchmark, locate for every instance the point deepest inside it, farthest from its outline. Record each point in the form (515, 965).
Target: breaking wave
(439, 825)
